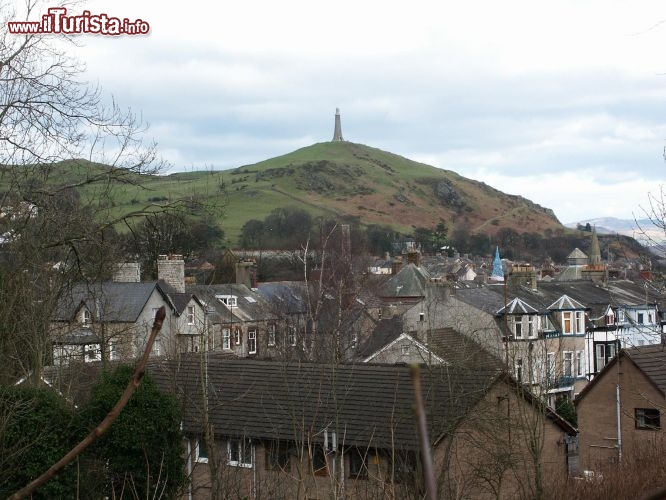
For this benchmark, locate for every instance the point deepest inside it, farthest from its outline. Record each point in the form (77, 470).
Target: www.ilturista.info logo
(57, 21)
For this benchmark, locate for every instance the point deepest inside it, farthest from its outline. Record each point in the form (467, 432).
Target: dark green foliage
(380, 239)
(431, 240)
(35, 432)
(283, 228)
(566, 409)
(142, 449)
(169, 232)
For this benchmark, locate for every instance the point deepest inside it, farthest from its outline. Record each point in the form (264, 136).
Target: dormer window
(610, 318)
(228, 300)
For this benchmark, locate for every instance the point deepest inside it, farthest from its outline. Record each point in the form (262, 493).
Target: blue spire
(498, 271)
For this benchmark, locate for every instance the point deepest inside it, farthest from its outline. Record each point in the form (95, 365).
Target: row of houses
(556, 337)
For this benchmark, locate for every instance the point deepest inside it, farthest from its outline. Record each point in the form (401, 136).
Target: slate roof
(386, 331)
(366, 404)
(290, 297)
(517, 306)
(566, 303)
(460, 350)
(250, 305)
(109, 301)
(180, 301)
(651, 359)
(410, 281)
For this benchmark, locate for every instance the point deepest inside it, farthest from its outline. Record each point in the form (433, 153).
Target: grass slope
(331, 178)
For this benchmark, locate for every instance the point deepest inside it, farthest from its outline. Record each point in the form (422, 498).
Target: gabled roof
(517, 306)
(250, 305)
(369, 404)
(460, 350)
(410, 281)
(427, 355)
(181, 300)
(566, 303)
(109, 301)
(650, 359)
(386, 331)
(577, 254)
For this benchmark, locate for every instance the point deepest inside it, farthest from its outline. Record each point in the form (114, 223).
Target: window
(566, 322)
(86, 318)
(115, 350)
(603, 353)
(518, 327)
(291, 336)
(519, 369)
(237, 335)
(550, 367)
(648, 418)
(228, 300)
(93, 352)
(154, 311)
(421, 317)
(271, 335)
(226, 338)
(580, 364)
(252, 341)
(610, 318)
(240, 452)
(650, 318)
(201, 451)
(532, 326)
(405, 350)
(319, 463)
(157, 347)
(620, 315)
(277, 456)
(639, 317)
(190, 315)
(580, 322)
(358, 465)
(568, 364)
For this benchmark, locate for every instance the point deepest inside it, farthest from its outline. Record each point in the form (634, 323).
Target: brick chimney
(171, 269)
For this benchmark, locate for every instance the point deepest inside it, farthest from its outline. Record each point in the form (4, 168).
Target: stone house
(299, 430)
(241, 322)
(620, 412)
(113, 319)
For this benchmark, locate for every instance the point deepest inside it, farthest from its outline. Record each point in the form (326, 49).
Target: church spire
(498, 271)
(337, 133)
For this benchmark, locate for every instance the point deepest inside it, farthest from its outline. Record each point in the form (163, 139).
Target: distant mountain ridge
(643, 230)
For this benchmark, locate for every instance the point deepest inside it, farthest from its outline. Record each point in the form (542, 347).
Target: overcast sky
(561, 102)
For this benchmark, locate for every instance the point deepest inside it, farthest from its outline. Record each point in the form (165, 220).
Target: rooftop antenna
(337, 133)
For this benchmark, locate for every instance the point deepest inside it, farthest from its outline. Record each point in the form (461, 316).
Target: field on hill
(328, 179)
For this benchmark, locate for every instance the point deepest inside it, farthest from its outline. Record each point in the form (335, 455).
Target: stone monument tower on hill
(337, 133)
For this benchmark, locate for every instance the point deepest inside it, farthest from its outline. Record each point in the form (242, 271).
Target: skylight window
(250, 299)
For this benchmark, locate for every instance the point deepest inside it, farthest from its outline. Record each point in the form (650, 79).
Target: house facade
(112, 320)
(621, 412)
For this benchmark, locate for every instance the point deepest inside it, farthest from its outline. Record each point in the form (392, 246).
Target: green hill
(330, 178)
